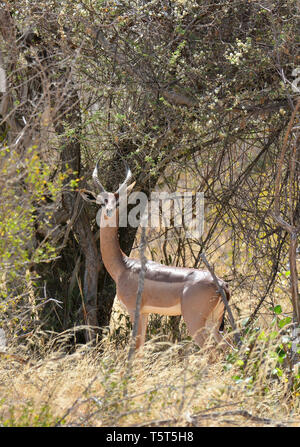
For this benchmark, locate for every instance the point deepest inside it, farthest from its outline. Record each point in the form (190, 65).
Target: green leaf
(284, 322)
(277, 309)
(237, 379)
(277, 372)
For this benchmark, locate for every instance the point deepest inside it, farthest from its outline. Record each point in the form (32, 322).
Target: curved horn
(128, 177)
(96, 179)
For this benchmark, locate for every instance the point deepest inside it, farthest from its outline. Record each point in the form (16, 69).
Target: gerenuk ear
(88, 196)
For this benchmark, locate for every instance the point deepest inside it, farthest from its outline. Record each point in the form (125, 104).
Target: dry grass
(42, 384)
(170, 385)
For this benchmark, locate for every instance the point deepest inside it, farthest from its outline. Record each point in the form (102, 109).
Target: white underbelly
(172, 310)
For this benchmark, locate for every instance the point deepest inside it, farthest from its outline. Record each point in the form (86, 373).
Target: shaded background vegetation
(196, 96)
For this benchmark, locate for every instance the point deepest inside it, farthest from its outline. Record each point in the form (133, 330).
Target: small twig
(194, 419)
(136, 322)
(77, 401)
(223, 295)
(243, 413)
(157, 423)
(139, 295)
(17, 358)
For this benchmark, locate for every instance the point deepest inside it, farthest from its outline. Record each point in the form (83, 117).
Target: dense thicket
(193, 94)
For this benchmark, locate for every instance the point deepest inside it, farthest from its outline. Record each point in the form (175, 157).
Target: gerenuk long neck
(112, 255)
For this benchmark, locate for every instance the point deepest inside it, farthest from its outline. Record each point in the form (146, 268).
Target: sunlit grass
(169, 385)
